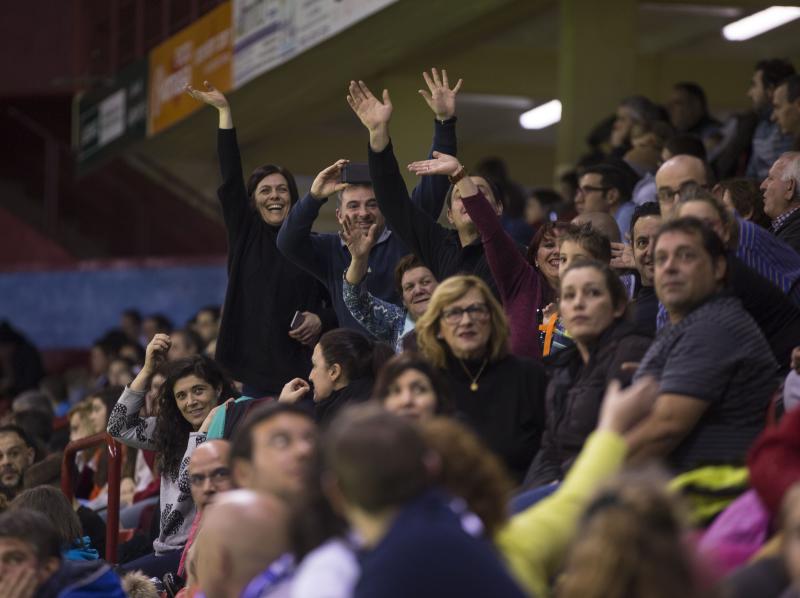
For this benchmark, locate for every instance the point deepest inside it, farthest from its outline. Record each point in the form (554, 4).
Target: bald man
(210, 472)
(674, 176)
(242, 547)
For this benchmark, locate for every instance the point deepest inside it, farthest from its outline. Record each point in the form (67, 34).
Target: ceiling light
(760, 22)
(542, 116)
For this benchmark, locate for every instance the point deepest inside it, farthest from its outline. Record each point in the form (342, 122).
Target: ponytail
(358, 356)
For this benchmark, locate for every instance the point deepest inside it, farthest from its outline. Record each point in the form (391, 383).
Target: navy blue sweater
(326, 257)
(427, 553)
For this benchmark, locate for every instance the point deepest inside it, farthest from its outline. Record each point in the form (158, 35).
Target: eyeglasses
(667, 193)
(477, 312)
(220, 474)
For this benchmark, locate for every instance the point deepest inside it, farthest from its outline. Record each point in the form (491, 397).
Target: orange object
(203, 51)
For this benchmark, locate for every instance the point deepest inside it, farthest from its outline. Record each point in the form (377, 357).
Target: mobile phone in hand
(297, 320)
(356, 173)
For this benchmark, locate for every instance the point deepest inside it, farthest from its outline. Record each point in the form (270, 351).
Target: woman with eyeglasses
(464, 334)
(526, 284)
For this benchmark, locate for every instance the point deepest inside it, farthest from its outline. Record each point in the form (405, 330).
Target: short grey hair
(791, 171)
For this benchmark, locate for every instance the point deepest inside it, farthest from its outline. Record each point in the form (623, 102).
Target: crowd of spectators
(472, 389)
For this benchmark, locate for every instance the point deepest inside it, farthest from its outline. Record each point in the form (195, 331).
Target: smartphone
(297, 320)
(356, 173)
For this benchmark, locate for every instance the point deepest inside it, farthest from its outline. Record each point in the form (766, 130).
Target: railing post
(114, 472)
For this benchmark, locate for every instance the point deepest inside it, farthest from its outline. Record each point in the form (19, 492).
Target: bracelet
(459, 174)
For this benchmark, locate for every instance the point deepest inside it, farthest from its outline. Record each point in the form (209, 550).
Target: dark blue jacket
(326, 257)
(82, 579)
(427, 553)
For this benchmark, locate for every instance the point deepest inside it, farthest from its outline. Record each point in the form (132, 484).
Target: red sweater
(518, 283)
(774, 461)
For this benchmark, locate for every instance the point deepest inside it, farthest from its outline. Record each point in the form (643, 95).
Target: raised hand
(329, 181)
(441, 164)
(372, 113)
(156, 352)
(622, 256)
(440, 98)
(211, 96)
(624, 408)
(358, 241)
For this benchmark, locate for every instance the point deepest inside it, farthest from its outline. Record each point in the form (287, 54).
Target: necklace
(473, 379)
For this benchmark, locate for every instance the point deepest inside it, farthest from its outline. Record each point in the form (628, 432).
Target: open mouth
(275, 207)
(554, 262)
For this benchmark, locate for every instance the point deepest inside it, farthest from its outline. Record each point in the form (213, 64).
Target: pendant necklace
(473, 380)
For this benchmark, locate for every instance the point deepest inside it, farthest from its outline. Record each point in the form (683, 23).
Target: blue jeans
(153, 565)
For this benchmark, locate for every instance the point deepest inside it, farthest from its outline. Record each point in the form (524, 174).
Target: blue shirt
(767, 146)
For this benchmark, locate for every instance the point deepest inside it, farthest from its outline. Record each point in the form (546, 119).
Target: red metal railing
(114, 471)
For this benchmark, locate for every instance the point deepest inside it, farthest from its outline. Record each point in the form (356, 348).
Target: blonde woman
(464, 334)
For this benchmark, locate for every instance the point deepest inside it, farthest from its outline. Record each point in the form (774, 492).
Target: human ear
(335, 372)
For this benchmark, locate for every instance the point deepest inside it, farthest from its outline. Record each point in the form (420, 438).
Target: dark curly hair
(172, 429)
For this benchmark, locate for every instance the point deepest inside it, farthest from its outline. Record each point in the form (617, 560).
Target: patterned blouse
(177, 506)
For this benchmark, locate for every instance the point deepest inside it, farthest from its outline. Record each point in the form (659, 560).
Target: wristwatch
(459, 174)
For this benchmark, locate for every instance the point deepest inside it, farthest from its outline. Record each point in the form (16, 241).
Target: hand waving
(329, 181)
(440, 98)
(624, 408)
(441, 164)
(156, 352)
(372, 113)
(358, 241)
(212, 96)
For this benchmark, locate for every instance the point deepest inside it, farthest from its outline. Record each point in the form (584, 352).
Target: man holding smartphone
(326, 255)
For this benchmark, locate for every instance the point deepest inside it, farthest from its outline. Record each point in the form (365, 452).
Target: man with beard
(768, 140)
(16, 456)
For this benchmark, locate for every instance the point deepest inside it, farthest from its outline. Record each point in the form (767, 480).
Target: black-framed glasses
(667, 193)
(477, 312)
(220, 474)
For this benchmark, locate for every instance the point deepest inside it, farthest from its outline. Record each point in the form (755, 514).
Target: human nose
(304, 447)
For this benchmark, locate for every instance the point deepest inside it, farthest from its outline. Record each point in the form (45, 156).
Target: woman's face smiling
(195, 399)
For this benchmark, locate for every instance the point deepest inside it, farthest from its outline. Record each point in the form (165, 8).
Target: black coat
(356, 391)
(789, 232)
(507, 409)
(574, 396)
(264, 291)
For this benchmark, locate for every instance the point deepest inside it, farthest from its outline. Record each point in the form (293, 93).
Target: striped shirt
(770, 257)
(716, 354)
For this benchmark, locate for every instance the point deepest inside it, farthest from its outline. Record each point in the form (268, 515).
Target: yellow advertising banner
(202, 51)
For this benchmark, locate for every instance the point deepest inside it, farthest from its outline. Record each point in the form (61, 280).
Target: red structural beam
(114, 471)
